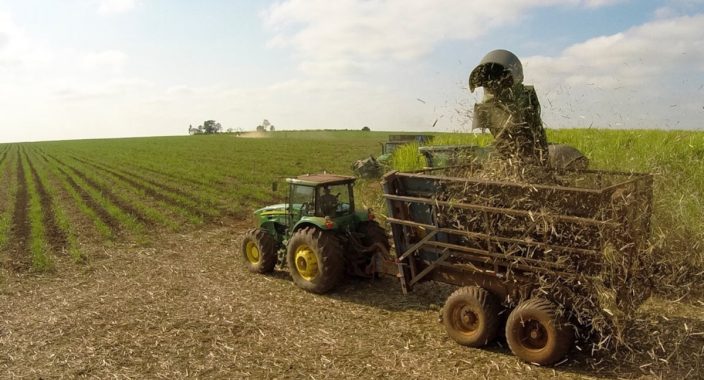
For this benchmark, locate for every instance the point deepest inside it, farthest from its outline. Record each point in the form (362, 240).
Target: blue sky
(114, 68)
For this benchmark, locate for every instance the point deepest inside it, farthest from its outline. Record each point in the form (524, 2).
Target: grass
(60, 215)
(6, 195)
(38, 246)
(103, 229)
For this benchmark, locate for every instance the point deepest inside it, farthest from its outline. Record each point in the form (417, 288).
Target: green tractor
(318, 234)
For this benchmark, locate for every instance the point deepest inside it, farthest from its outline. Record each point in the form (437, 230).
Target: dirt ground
(185, 308)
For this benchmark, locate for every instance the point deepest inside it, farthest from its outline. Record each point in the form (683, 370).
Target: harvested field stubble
(172, 313)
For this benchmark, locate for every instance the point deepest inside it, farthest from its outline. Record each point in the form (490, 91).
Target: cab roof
(320, 179)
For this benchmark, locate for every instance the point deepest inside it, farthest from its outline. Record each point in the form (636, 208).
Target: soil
(18, 258)
(186, 307)
(102, 213)
(55, 236)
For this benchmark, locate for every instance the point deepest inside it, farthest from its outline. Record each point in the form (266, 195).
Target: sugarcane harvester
(559, 250)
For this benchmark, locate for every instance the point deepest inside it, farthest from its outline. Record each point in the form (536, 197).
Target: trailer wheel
(471, 316)
(315, 260)
(258, 251)
(536, 333)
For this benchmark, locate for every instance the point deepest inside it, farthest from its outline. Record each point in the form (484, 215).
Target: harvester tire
(537, 334)
(471, 316)
(315, 260)
(259, 251)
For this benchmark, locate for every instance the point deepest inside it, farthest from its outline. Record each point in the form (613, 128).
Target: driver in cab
(328, 202)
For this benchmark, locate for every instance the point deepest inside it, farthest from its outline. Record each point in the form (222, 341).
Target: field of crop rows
(57, 196)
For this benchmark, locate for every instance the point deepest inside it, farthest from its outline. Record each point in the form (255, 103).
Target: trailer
(537, 251)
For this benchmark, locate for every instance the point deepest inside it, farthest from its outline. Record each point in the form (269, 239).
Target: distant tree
(211, 127)
(230, 130)
(195, 131)
(366, 129)
(271, 128)
(265, 126)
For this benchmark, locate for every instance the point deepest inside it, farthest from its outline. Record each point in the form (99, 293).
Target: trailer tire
(471, 316)
(315, 260)
(258, 251)
(537, 334)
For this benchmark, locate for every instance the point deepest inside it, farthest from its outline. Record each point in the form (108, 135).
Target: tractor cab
(320, 196)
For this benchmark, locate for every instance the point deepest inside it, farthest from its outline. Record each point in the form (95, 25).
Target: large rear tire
(259, 251)
(471, 316)
(315, 260)
(537, 334)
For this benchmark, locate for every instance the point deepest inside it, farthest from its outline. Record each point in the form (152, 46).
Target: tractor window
(334, 200)
(303, 199)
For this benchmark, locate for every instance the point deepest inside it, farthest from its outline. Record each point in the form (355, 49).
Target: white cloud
(106, 7)
(649, 76)
(639, 55)
(110, 89)
(599, 3)
(112, 60)
(674, 8)
(20, 55)
(352, 33)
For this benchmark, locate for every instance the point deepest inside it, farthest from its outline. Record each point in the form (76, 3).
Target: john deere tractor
(318, 234)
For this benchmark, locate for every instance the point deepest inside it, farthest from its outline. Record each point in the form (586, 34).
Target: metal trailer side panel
(505, 245)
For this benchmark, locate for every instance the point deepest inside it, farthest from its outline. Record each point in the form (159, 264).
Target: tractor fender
(315, 222)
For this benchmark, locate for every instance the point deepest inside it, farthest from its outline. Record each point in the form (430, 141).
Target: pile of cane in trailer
(581, 238)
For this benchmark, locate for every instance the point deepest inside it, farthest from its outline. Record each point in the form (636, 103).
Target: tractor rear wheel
(536, 333)
(259, 251)
(315, 260)
(471, 316)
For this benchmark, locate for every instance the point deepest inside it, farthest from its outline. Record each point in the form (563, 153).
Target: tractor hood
(276, 214)
(278, 209)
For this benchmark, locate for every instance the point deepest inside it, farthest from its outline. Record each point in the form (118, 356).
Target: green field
(60, 196)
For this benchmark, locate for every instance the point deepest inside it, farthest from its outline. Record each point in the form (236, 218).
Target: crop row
(59, 198)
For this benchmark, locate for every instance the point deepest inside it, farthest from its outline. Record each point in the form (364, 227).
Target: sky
(73, 69)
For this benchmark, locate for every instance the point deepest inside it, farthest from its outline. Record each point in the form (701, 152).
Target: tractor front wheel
(536, 333)
(315, 260)
(258, 251)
